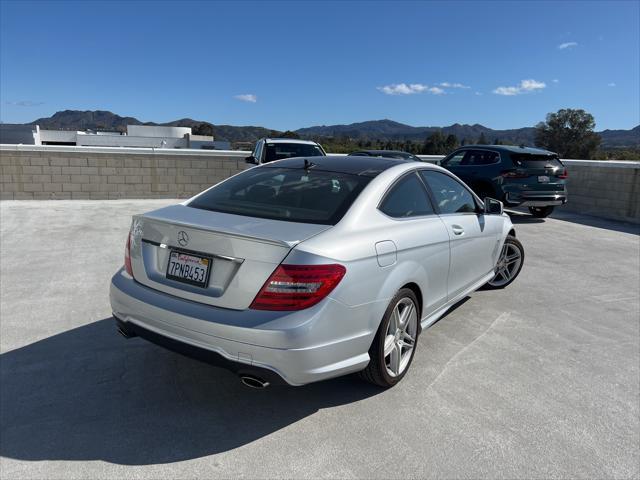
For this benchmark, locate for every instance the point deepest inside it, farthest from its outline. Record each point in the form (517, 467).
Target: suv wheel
(395, 343)
(509, 264)
(541, 212)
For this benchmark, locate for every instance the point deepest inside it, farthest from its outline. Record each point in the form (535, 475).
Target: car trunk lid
(240, 252)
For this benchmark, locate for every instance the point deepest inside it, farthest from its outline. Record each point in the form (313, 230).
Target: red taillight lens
(564, 173)
(127, 256)
(295, 287)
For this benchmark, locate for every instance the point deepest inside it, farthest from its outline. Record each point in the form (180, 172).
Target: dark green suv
(518, 176)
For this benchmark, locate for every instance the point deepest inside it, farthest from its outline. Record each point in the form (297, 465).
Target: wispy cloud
(611, 84)
(555, 80)
(565, 45)
(403, 88)
(409, 89)
(453, 85)
(479, 94)
(246, 97)
(25, 103)
(525, 86)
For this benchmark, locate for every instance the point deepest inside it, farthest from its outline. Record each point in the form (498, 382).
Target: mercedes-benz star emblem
(183, 238)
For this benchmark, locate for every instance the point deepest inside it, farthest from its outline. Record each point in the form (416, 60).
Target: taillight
(127, 256)
(514, 174)
(564, 173)
(295, 287)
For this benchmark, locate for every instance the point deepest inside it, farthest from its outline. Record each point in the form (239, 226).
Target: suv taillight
(295, 287)
(127, 256)
(564, 173)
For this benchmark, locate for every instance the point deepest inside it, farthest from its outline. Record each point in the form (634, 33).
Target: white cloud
(246, 97)
(525, 86)
(453, 85)
(436, 90)
(555, 80)
(611, 84)
(478, 93)
(403, 88)
(565, 45)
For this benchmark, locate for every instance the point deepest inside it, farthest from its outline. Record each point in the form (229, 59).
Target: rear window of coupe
(288, 194)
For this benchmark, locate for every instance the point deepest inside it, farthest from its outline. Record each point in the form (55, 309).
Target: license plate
(188, 268)
(543, 179)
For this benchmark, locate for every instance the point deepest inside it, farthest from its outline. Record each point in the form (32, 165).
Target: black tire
(541, 212)
(516, 244)
(376, 371)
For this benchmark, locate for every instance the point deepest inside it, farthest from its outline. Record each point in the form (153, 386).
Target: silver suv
(270, 149)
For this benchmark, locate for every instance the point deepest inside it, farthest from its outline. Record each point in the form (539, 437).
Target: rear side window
(407, 198)
(292, 195)
(450, 195)
(278, 151)
(480, 158)
(526, 160)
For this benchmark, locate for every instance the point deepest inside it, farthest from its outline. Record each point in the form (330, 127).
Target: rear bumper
(536, 200)
(324, 341)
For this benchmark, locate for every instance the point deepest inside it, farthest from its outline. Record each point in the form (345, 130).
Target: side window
(481, 157)
(258, 151)
(454, 160)
(451, 196)
(407, 198)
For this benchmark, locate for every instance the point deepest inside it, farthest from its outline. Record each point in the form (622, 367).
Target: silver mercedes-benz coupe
(305, 269)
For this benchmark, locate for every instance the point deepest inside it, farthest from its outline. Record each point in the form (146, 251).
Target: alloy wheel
(508, 265)
(400, 338)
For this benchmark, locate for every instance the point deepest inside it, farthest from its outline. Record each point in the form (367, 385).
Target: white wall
(156, 131)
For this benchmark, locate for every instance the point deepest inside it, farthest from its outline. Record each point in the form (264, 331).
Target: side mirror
(493, 206)
(251, 159)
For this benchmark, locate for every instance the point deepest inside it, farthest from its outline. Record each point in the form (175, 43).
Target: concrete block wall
(48, 172)
(604, 189)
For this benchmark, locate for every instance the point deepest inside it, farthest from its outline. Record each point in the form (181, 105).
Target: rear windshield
(526, 160)
(278, 151)
(292, 195)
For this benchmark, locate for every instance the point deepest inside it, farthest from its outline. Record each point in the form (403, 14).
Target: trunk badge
(183, 238)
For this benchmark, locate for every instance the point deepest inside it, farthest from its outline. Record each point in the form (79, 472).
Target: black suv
(518, 176)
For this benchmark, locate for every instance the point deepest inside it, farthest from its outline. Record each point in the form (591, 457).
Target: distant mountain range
(370, 130)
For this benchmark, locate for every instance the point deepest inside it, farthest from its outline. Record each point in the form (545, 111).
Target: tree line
(568, 132)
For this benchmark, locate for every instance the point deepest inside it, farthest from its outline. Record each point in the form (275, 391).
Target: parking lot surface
(540, 380)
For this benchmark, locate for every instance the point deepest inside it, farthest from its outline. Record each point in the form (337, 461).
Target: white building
(143, 136)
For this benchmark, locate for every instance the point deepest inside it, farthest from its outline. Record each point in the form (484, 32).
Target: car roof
(510, 149)
(379, 152)
(289, 140)
(354, 165)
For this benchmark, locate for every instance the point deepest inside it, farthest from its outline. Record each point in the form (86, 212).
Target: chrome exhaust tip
(253, 382)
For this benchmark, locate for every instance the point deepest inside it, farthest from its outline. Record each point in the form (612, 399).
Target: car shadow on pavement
(90, 394)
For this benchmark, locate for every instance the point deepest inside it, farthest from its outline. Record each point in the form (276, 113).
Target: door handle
(457, 229)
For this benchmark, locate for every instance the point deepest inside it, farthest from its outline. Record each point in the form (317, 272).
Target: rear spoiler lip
(270, 241)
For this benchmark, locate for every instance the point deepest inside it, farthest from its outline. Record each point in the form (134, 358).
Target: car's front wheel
(509, 263)
(395, 342)
(541, 212)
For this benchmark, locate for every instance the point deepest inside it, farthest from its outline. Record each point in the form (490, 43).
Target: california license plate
(543, 179)
(188, 268)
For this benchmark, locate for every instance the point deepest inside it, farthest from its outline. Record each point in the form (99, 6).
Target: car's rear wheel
(541, 212)
(509, 263)
(395, 342)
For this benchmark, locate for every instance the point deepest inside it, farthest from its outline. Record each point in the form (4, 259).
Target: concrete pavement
(540, 380)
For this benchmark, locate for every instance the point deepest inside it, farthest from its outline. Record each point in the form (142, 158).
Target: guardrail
(608, 189)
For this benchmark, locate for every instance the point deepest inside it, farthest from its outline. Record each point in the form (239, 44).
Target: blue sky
(295, 64)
